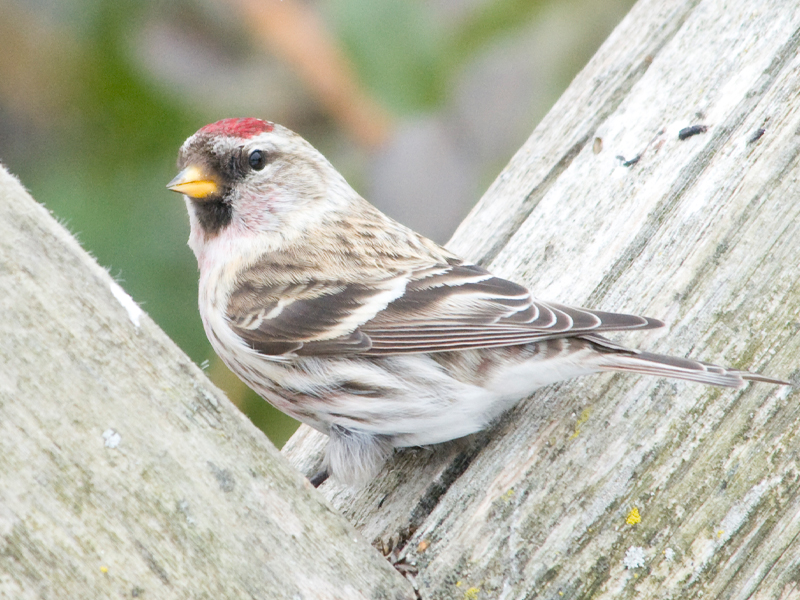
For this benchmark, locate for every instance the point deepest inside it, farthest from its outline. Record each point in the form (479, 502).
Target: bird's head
(255, 177)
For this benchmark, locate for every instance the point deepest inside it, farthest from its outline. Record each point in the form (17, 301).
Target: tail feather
(661, 365)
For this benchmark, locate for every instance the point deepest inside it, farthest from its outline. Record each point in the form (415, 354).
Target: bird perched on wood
(354, 324)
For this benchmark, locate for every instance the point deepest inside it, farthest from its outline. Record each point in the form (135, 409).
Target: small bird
(365, 330)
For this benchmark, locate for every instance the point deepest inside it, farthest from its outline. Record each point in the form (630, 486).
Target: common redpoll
(361, 328)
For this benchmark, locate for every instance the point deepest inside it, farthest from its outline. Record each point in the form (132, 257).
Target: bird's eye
(257, 160)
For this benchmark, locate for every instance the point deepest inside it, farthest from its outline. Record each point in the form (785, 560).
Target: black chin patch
(214, 214)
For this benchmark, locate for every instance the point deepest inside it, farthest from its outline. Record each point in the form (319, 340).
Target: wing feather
(437, 308)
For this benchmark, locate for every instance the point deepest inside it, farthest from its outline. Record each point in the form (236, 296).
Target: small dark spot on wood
(688, 132)
(223, 476)
(631, 162)
(152, 563)
(721, 249)
(756, 136)
(319, 478)
(550, 575)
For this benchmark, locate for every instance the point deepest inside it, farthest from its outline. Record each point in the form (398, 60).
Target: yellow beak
(194, 182)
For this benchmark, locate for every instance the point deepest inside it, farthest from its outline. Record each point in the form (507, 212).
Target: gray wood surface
(620, 486)
(123, 472)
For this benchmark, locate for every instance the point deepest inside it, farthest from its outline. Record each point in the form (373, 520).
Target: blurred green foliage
(399, 55)
(407, 56)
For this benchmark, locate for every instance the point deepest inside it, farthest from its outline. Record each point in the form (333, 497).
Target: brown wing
(439, 308)
(464, 306)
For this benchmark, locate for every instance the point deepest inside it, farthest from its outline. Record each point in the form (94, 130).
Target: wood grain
(125, 473)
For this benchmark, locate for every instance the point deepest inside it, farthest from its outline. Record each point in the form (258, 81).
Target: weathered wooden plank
(123, 471)
(703, 232)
